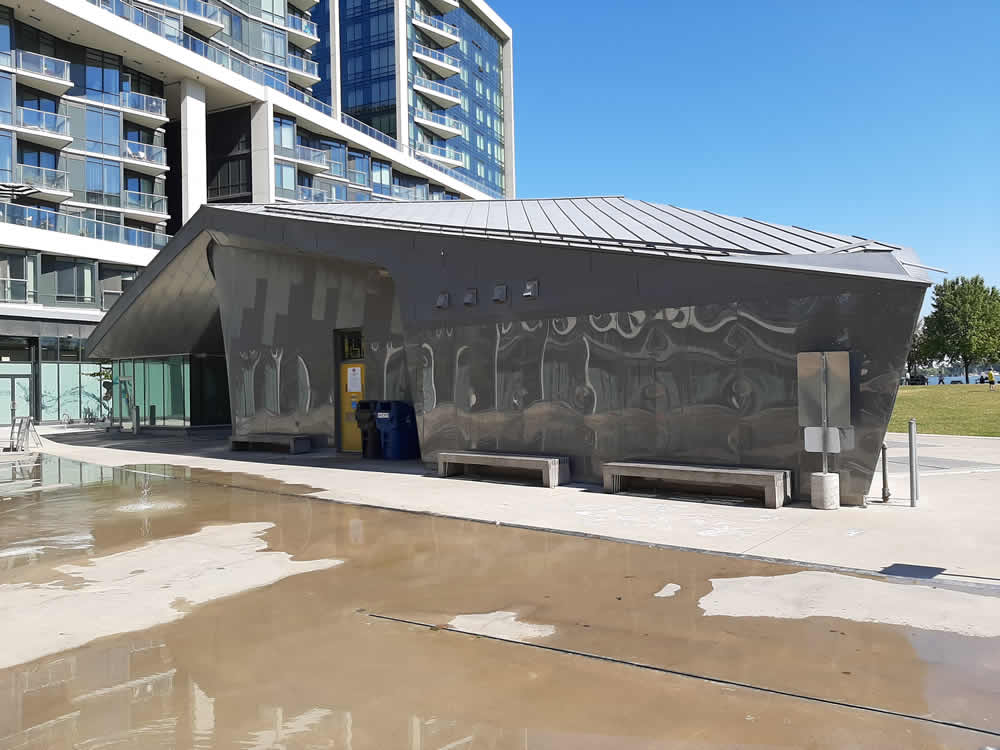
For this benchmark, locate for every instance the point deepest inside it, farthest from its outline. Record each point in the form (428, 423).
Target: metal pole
(914, 466)
(885, 475)
(823, 410)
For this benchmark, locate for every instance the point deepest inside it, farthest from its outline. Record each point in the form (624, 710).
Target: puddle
(227, 610)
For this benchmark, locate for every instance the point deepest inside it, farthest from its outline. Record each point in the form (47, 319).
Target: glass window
(92, 402)
(69, 349)
(6, 98)
(284, 132)
(102, 77)
(69, 391)
(358, 167)
(104, 182)
(49, 395)
(381, 177)
(6, 158)
(103, 131)
(284, 176)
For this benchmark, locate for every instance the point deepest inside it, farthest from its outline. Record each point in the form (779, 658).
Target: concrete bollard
(825, 490)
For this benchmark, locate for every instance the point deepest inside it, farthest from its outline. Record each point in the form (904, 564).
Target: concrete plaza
(952, 536)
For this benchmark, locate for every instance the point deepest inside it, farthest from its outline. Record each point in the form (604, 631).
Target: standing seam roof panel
(479, 212)
(563, 225)
(766, 242)
(812, 241)
(612, 214)
(540, 223)
(585, 221)
(496, 218)
(517, 220)
(676, 235)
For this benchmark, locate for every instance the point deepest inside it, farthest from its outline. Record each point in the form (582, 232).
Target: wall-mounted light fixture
(499, 292)
(442, 301)
(530, 288)
(471, 297)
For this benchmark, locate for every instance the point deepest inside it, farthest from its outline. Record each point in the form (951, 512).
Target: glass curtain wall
(178, 391)
(71, 388)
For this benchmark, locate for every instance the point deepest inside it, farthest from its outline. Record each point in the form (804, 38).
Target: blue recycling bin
(397, 423)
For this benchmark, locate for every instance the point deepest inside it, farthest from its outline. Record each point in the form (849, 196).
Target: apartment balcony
(109, 297)
(301, 31)
(302, 71)
(144, 206)
(311, 195)
(311, 160)
(409, 192)
(201, 18)
(303, 5)
(144, 157)
(441, 94)
(441, 125)
(16, 290)
(41, 72)
(444, 6)
(70, 224)
(49, 184)
(46, 128)
(443, 64)
(443, 154)
(144, 109)
(441, 32)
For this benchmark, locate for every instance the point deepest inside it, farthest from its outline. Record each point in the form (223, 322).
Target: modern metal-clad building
(598, 328)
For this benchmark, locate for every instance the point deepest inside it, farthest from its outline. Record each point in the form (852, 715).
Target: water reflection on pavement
(158, 606)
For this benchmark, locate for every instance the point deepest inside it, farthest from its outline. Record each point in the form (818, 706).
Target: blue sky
(877, 118)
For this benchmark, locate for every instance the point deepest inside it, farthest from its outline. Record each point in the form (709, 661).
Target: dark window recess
(229, 177)
(352, 346)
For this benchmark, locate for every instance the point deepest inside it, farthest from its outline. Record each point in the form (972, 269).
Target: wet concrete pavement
(166, 606)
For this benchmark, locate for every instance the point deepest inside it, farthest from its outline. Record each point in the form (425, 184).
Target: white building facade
(119, 119)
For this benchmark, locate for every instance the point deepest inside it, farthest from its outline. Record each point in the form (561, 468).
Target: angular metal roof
(609, 222)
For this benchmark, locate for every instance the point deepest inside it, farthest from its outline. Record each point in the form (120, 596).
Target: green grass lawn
(948, 410)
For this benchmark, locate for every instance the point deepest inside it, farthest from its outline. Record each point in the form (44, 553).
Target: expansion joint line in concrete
(702, 678)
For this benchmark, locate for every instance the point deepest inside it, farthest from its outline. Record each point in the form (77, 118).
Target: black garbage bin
(397, 423)
(371, 439)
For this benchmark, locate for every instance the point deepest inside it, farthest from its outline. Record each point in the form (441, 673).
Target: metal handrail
(437, 54)
(437, 23)
(54, 179)
(309, 67)
(313, 195)
(53, 221)
(36, 119)
(16, 290)
(150, 202)
(301, 24)
(441, 88)
(33, 62)
(144, 152)
(448, 122)
(153, 105)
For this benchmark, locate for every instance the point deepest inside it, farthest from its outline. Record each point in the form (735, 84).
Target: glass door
(15, 394)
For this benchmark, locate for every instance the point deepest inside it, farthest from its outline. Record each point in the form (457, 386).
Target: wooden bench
(554, 469)
(272, 440)
(775, 483)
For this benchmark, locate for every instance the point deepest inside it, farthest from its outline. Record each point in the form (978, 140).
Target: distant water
(935, 380)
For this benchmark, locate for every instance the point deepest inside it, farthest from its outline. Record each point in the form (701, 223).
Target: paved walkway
(954, 535)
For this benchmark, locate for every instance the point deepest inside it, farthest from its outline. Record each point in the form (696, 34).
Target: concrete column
(507, 78)
(335, 57)
(262, 151)
(402, 79)
(194, 158)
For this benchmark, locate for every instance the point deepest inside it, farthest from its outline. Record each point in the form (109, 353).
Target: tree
(964, 326)
(918, 356)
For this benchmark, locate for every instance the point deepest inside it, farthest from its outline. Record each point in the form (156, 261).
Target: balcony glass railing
(36, 119)
(144, 152)
(309, 67)
(441, 152)
(16, 290)
(53, 221)
(410, 192)
(304, 153)
(156, 204)
(437, 55)
(32, 62)
(438, 87)
(437, 23)
(220, 56)
(43, 177)
(337, 168)
(301, 24)
(313, 195)
(448, 122)
(153, 105)
(202, 10)
(357, 176)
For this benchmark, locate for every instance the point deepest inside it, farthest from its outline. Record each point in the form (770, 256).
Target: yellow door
(352, 379)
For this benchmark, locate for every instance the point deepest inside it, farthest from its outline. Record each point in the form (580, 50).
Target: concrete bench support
(776, 483)
(554, 469)
(266, 441)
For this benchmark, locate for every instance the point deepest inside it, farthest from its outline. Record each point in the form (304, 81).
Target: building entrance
(15, 395)
(351, 387)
